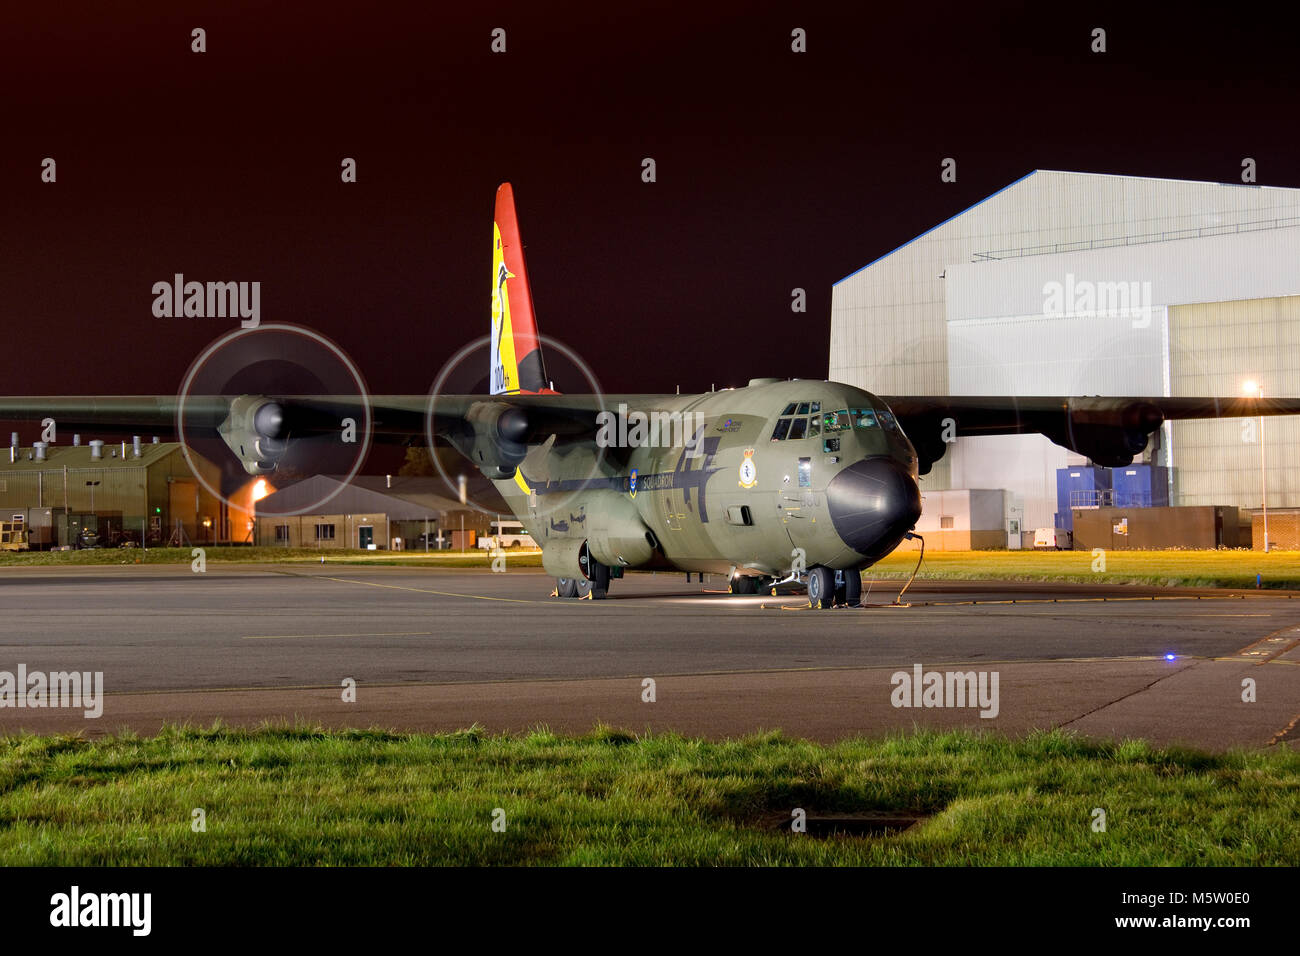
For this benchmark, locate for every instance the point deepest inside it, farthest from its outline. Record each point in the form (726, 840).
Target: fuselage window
(798, 427)
(803, 408)
(836, 421)
(782, 427)
(887, 420)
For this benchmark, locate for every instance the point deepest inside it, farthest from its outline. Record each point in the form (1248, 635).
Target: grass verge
(215, 554)
(300, 795)
(1211, 569)
(1222, 569)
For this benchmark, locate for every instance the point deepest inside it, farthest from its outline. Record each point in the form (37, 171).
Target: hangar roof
(408, 498)
(1048, 207)
(78, 456)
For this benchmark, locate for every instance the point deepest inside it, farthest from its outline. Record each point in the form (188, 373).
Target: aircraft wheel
(821, 587)
(566, 587)
(582, 587)
(744, 585)
(852, 587)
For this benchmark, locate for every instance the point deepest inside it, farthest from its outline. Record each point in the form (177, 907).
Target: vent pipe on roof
(76, 440)
(123, 449)
(155, 439)
(96, 450)
(39, 448)
(388, 481)
(135, 446)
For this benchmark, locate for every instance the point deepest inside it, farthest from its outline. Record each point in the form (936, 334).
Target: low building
(104, 495)
(1143, 529)
(1283, 529)
(967, 519)
(370, 511)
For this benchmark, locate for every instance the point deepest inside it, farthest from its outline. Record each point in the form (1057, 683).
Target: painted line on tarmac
(400, 587)
(279, 637)
(1285, 732)
(1270, 646)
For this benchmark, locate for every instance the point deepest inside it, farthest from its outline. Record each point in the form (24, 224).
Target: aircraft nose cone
(873, 503)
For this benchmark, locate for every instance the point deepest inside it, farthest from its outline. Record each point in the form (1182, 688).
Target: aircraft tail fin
(517, 366)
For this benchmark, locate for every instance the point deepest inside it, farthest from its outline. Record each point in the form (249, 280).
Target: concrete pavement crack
(1132, 693)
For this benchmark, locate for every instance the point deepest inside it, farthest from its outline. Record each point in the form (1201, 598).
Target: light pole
(1251, 388)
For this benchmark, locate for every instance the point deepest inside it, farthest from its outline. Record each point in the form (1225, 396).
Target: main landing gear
(747, 584)
(594, 588)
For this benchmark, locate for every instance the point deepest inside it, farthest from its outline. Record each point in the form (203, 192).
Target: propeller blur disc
(304, 413)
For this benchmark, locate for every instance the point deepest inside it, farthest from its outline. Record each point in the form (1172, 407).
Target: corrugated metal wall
(1218, 346)
(119, 490)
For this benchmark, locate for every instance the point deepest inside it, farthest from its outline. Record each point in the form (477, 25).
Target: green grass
(304, 796)
(473, 558)
(1220, 569)
(1225, 569)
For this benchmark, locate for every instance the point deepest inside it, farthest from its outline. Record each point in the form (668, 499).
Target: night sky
(775, 169)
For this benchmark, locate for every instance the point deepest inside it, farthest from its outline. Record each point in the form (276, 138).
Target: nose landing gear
(827, 588)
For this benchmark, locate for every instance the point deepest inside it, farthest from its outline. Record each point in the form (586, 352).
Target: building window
(324, 532)
(282, 534)
(945, 521)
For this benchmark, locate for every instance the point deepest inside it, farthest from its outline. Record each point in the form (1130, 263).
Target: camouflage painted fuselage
(747, 488)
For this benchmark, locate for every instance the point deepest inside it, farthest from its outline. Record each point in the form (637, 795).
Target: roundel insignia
(631, 484)
(748, 470)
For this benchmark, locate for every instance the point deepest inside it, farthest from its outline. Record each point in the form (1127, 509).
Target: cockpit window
(887, 419)
(864, 418)
(794, 423)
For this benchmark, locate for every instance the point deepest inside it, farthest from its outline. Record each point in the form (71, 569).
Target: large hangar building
(1080, 284)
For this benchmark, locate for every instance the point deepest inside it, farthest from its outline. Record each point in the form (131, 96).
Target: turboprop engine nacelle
(493, 438)
(254, 431)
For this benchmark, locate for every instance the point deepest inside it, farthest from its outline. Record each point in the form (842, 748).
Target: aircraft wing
(492, 430)
(1108, 430)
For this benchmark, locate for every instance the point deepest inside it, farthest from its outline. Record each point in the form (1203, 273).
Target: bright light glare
(1250, 387)
(260, 490)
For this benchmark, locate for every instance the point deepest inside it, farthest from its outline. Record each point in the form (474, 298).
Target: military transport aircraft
(777, 481)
